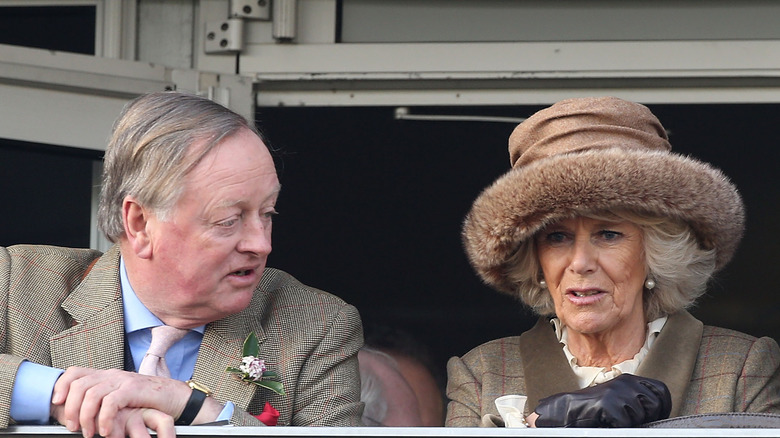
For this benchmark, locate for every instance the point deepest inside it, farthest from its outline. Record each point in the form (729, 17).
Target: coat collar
(222, 345)
(96, 336)
(671, 360)
(673, 356)
(544, 364)
(217, 353)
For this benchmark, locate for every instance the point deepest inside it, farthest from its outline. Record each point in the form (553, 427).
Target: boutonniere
(253, 370)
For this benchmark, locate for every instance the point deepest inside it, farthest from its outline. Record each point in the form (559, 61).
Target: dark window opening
(62, 28)
(46, 194)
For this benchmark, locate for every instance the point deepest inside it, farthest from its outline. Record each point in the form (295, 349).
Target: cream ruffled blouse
(589, 376)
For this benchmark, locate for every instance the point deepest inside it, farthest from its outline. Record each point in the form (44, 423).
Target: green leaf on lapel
(276, 387)
(251, 346)
(270, 375)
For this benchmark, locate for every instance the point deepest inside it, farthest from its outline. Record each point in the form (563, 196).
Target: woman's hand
(625, 401)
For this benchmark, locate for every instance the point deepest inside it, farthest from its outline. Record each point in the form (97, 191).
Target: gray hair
(372, 392)
(147, 156)
(679, 267)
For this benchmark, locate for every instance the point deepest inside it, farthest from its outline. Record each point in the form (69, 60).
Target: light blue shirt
(31, 396)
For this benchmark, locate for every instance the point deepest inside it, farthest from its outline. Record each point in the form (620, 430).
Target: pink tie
(154, 361)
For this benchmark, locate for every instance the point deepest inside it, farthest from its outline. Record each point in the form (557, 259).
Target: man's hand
(112, 403)
(133, 423)
(625, 401)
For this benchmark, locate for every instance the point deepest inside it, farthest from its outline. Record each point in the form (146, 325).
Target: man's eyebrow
(231, 202)
(275, 191)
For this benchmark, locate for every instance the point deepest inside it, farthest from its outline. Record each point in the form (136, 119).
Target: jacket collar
(671, 360)
(673, 356)
(96, 336)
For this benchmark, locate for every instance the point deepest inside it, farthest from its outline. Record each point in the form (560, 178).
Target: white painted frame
(514, 73)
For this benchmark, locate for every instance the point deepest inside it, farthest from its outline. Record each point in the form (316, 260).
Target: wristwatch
(191, 409)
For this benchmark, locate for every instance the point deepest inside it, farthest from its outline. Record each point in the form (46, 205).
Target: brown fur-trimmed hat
(590, 155)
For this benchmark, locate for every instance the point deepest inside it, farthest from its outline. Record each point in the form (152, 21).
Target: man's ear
(136, 221)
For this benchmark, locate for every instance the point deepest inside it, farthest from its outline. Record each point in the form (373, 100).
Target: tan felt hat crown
(590, 155)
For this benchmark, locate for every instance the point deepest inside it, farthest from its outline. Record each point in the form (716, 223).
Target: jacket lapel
(221, 348)
(96, 337)
(546, 369)
(673, 356)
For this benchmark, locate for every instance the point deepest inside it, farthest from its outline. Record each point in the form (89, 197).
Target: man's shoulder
(55, 258)
(288, 309)
(281, 286)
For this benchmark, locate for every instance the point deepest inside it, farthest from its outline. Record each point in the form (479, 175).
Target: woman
(609, 237)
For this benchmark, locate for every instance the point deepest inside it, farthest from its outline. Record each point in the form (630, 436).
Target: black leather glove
(625, 401)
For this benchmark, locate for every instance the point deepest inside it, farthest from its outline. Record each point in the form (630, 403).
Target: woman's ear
(136, 221)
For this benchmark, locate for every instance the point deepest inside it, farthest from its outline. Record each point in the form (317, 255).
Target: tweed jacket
(707, 370)
(53, 314)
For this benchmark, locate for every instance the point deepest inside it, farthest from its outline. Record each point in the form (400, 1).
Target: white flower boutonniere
(253, 370)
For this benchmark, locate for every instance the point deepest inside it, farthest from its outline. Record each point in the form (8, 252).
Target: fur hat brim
(659, 183)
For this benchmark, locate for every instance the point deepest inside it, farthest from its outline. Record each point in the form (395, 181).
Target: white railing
(291, 432)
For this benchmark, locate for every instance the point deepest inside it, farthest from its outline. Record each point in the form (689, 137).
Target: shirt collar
(137, 316)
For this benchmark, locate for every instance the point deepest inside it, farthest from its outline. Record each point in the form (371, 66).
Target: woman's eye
(555, 237)
(610, 235)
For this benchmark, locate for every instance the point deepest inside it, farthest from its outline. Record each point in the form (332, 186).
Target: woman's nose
(584, 256)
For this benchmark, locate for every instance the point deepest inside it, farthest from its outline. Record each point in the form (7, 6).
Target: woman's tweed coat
(707, 369)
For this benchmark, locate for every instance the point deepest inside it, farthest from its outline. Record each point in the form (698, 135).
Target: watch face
(199, 387)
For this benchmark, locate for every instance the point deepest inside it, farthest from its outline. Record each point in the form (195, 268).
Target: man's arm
(33, 282)
(8, 366)
(8, 363)
(328, 390)
(32, 389)
(98, 401)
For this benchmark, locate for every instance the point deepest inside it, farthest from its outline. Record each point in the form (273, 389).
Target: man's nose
(256, 238)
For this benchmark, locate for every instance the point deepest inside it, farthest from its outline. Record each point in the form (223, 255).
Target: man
(188, 197)
(398, 382)
(389, 399)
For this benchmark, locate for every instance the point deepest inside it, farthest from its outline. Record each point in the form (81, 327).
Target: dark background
(372, 206)
(371, 210)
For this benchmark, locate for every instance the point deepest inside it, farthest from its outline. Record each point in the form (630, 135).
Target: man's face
(208, 257)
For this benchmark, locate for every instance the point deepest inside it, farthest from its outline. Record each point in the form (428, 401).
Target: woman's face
(595, 271)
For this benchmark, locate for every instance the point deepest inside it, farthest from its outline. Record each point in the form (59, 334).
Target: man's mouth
(242, 273)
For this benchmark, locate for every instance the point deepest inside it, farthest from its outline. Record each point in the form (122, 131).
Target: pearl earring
(543, 284)
(650, 284)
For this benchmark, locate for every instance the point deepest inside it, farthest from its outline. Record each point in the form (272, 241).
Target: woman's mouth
(586, 293)
(585, 297)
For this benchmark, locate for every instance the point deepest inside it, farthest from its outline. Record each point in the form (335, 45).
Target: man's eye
(228, 222)
(271, 213)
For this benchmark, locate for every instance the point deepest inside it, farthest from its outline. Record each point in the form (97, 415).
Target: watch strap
(192, 407)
